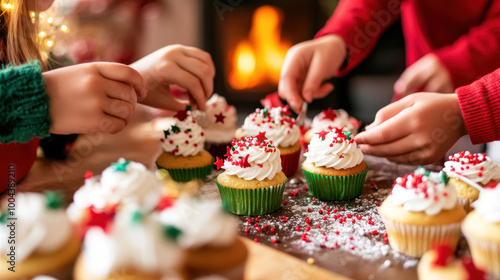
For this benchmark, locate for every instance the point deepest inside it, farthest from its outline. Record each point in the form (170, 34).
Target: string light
(49, 44)
(7, 6)
(64, 28)
(42, 34)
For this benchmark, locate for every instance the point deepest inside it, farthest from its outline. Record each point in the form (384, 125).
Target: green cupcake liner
(335, 187)
(251, 202)
(188, 174)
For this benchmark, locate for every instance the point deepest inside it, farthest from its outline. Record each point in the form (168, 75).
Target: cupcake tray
(344, 237)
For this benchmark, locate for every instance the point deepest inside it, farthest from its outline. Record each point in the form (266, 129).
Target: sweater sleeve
(480, 104)
(476, 53)
(360, 23)
(24, 105)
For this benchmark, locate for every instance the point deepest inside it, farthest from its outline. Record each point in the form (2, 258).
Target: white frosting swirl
(202, 222)
(488, 204)
(479, 168)
(253, 159)
(279, 128)
(330, 119)
(39, 229)
(184, 138)
(221, 120)
(140, 245)
(122, 183)
(335, 150)
(419, 193)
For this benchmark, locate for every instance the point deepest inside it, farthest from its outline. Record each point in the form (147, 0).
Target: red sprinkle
(297, 228)
(374, 232)
(249, 221)
(272, 229)
(284, 202)
(307, 220)
(275, 241)
(256, 239)
(334, 210)
(246, 230)
(266, 226)
(314, 199)
(318, 226)
(378, 203)
(342, 208)
(320, 211)
(309, 210)
(324, 218)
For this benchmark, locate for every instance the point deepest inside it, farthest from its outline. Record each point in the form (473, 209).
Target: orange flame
(258, 59)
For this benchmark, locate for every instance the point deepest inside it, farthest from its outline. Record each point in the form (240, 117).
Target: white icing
(263, 159)
(39, 229)
(419, 193)
(139, 245)
(217, 131)
(202, 222)
(479, 168)
(279, 128)
(335, 151)
(340, 120)
(488, 204)
(136, 185)
(188, 141)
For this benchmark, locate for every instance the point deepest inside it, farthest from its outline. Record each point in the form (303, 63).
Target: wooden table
(139, 142)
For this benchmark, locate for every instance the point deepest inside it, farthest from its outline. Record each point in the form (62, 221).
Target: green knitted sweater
(24, 105)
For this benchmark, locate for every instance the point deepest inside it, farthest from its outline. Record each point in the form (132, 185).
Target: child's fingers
(119, 90)
(417, 157)
(201, 55)
(412, 78)
(118, 108)
(324, 90)
(123, 73)
(391, 130)
(288, 88)
(201, 71)
(191, 83)
(315, 77)
(111, 124)
(389, 111)
(395, 148)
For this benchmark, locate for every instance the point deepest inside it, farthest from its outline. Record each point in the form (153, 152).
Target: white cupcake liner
(485, 254)
(466, 204)
(417, 239)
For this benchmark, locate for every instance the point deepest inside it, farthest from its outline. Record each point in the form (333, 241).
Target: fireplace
(248, 41)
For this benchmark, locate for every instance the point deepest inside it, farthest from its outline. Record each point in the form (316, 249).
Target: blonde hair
(21, 30)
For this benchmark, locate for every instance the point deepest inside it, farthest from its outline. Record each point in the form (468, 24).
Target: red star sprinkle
(220, 118)
(181, 115)
(228, 152)
(219, 163)
(329, 114)
(490, 185)
(244, 162)
(100, 219)
(261, 136)
(286, 111)
(323, 134)
(88, 174)
(164, 203)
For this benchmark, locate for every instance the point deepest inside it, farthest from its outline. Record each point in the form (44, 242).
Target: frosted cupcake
(44, 239)
(330, 119)
(439, 263)
(184, 157)
(482, 230)
(252, 183)
(121, 184)
(219, 124)
(334, 166)
(469, 173)
(421, 212)
(281, 129)
(132, 245)
(210, 237)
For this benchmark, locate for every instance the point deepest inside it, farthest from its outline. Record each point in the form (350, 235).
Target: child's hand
(427, 74)
(92, 97)
(419, 129)
(307, 65)
(187, 67)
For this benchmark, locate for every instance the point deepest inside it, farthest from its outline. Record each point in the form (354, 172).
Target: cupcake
(252, 183)
(184, 157)
(334, 166)
(281, 129)
(469, 172)
(37, 237)
(439, 264)
(421, 212)
(219, 124)
(482, 230)
(330, 119)
(121, 184)
(130, 245)
(209, 237)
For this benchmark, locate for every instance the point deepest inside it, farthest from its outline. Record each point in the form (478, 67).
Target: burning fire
(258, 59)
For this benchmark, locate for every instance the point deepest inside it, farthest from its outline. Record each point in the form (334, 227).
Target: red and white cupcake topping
(276, 122)
(219, 122)
(185, 137)
(424, 191)
(330, 119)
(253, 157)
(333, 149)
(488, 203)
(478, 168)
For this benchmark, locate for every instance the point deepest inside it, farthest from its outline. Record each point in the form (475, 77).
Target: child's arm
(355, 26)
(187, 67)
(419, 129)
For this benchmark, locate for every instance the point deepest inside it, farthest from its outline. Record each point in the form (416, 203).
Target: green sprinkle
(265, 111)
(188, 107)
(345, 205)
(172, 232)
(166, 132)
(120, 165)
(188, 130)
(137, 217)
(278, 238)
(175, 129)
(348, 134)
(54, 200)
(444, 178)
